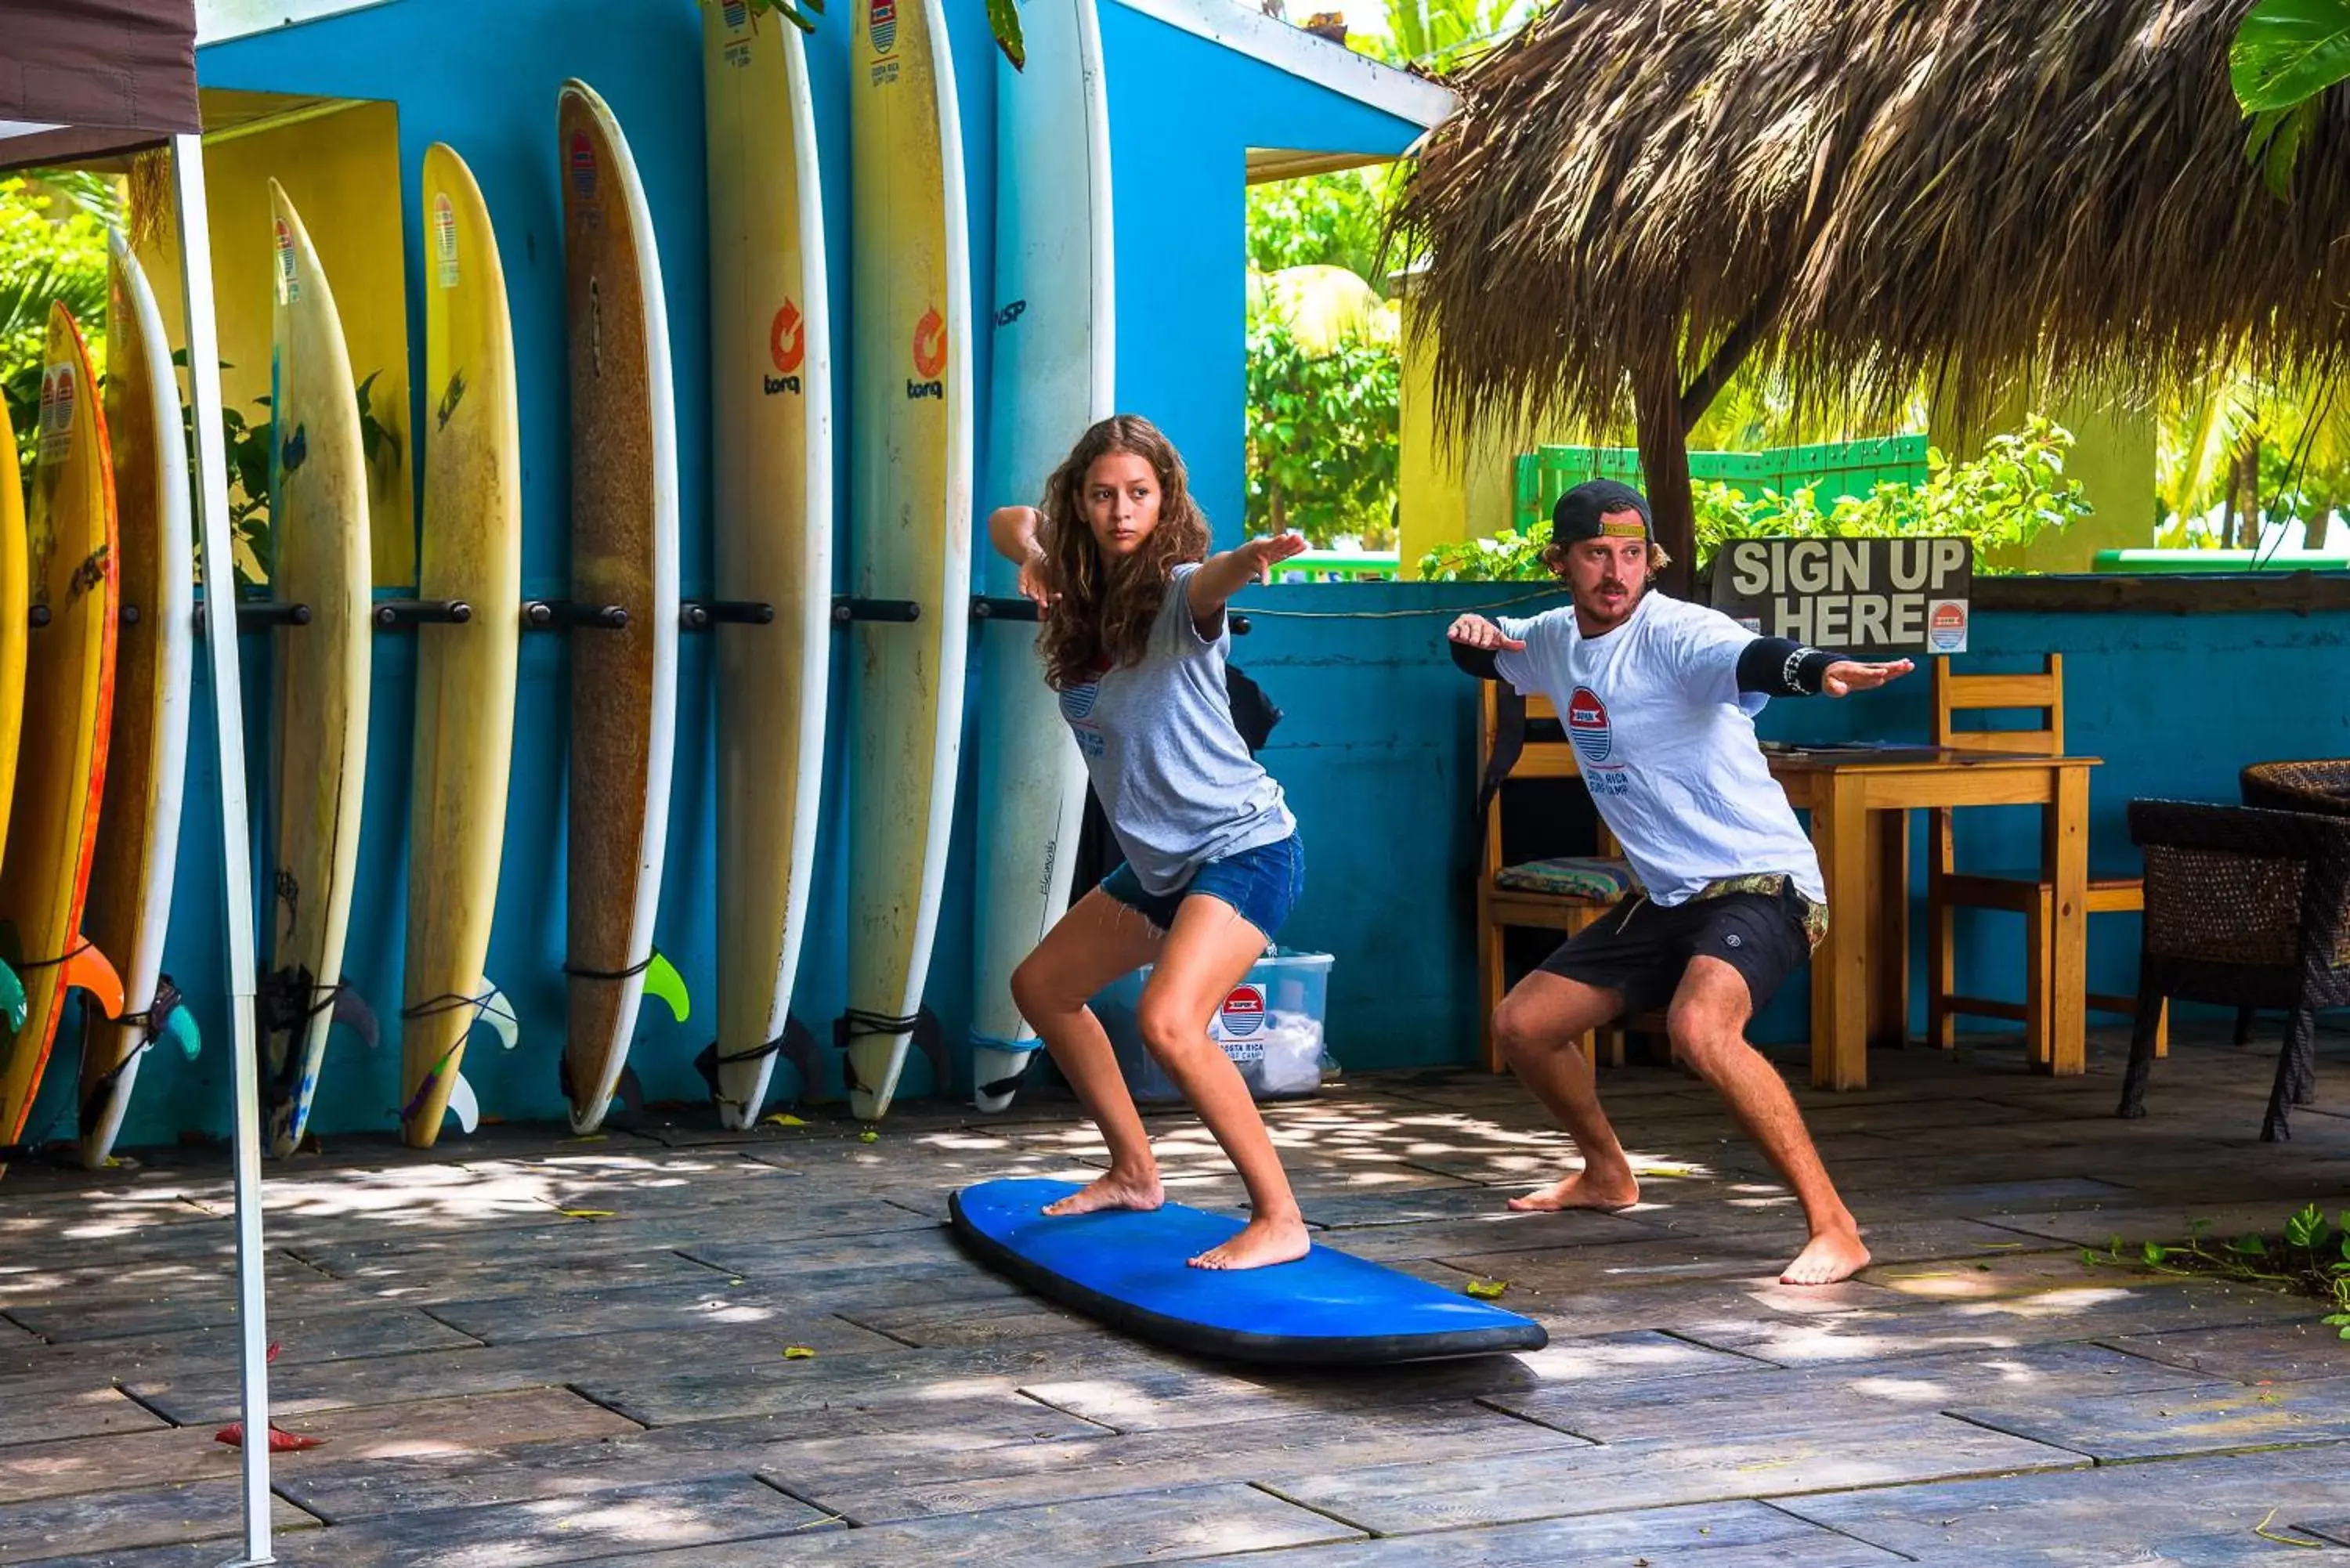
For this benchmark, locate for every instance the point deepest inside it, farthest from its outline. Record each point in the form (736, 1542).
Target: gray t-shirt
(1173, 774)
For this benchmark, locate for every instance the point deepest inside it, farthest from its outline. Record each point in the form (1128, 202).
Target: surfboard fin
(464, 1106)
(89, 970)
(499, 1014)
(799, 1049)
(629, 1091)
(706, 1064)
(352, 1011)
(180, 1025)
(663, 980)
(12, 998)
(930, 1037)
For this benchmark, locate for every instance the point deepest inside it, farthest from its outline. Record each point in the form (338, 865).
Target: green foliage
(1441, 36)
(49, 251)
(2310, 1256)
(1324, 419)
(1322, 436)
(2286, 53)
(1332, 220)
(2003, 498)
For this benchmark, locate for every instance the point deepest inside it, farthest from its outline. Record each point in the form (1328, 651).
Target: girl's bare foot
(1585, 1190)
(1260, 1244)
(1833, 1256)
(1114, 1190)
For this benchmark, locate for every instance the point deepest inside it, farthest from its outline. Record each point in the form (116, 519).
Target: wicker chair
(2244, 907)
(2320, 787)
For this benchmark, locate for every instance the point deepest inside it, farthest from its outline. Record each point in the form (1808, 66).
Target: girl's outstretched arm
(1221, 577)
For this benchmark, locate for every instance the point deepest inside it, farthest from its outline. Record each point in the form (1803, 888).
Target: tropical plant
(50, 252)
(2306, 1254)
(2003, 498)
(2286, 53)
(1322, 434)
(2254, 448)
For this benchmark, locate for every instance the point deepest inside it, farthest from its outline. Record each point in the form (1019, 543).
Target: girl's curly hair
(1106, 609)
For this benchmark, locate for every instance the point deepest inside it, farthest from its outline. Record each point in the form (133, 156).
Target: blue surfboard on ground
(1131, 1271)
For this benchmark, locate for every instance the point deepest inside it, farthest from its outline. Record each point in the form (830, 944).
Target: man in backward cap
(1659, 697)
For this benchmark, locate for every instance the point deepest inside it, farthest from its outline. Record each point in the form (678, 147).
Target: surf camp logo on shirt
(1238, 1024)
(1077, 707)
(788, 347)
(1594, 742)
(1587, 725)
(930, 358)
(289, 284)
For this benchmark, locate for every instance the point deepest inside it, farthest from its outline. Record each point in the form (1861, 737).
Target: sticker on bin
(1238, 1022)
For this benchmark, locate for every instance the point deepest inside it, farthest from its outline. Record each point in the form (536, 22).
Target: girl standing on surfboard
(1135, 640)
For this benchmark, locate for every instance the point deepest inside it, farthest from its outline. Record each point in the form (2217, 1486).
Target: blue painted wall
(1184, 112)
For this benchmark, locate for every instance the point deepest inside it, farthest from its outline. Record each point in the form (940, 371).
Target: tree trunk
(1664, 465)
(2247, 488)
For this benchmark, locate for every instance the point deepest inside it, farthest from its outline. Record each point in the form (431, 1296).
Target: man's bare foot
(1115, 1190)
(1260, 1244)
(1584, 1189)
(1833, 1256)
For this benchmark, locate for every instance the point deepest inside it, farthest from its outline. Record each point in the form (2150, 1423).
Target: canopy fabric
(82, 80)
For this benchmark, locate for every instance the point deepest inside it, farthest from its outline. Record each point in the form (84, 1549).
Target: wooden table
(1860, 971)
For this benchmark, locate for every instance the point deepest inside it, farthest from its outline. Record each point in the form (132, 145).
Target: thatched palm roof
(1861, 194)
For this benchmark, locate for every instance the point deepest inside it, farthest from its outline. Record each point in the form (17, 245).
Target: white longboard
(771, 403)
(1054, 374)
(911, 422)
(139, 848)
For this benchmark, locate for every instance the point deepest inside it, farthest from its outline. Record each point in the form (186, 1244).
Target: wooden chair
(2022, 892)
(1527, 894)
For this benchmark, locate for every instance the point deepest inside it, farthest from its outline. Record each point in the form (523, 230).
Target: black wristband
(1477, 661)
(1779, 667)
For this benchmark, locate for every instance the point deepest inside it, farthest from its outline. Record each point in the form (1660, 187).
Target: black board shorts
(1642, 949)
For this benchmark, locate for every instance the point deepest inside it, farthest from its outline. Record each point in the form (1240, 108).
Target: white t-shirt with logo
(1666, 742)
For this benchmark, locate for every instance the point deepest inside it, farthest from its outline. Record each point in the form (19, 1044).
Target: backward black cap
(1578, 511)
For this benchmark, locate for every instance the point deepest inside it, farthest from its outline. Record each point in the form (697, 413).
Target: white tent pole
(236, 855)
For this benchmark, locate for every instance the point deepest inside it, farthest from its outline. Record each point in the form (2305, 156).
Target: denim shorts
(1261, 884)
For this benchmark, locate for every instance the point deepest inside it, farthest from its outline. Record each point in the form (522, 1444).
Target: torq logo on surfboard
(929, 357)
(788, 347)
(1587, 725)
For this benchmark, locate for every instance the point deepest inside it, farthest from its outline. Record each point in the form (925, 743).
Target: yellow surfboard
(147, 753)
(16, 599)
(911, 519)
(464, 674)
(68, 697)
(318, 521)
(771, 418)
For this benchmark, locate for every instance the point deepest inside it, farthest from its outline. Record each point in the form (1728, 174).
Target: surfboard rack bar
(393, 614)
(696, 614)
(544, 615)
(259, 615)
(845, 609)
(985, 606)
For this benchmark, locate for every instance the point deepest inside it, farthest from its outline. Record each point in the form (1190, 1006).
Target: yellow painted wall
(1445, 491)
(342, 171)
(2113, 456)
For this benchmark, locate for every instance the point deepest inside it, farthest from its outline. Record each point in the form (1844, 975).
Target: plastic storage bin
(1270, 1025)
